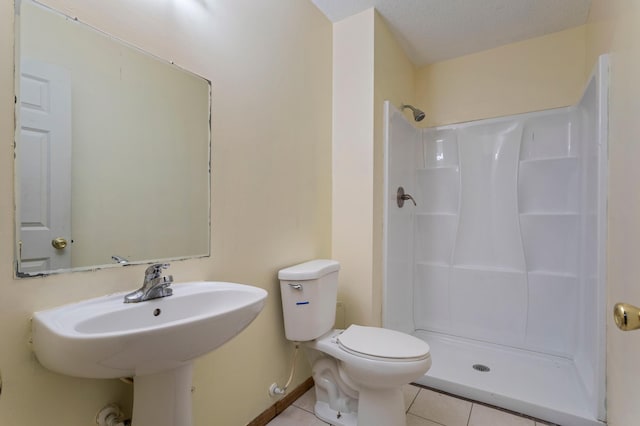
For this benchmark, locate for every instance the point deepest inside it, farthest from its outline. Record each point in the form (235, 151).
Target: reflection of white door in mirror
(45, 167)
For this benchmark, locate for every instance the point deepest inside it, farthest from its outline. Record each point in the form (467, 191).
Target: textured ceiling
(435, 30)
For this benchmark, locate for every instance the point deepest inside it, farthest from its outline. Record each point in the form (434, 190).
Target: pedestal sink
(155, 341)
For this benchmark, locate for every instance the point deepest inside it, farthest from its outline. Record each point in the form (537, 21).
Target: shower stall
(500, 265)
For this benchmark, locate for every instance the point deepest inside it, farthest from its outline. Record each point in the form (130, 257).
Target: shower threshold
(539, 385)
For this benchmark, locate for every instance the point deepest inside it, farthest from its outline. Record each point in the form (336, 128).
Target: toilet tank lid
(310, 270)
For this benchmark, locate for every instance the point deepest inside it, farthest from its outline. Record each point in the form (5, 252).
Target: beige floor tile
(307, 401)
(441, 408)
(409, 392)
(294, 416)
(486, 416)
(419, 421)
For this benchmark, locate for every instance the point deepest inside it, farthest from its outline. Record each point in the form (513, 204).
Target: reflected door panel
(45, 167)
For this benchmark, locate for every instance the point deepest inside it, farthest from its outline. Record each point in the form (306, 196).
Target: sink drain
(481, 368)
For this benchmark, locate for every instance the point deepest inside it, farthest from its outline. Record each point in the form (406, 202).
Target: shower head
(418, 115)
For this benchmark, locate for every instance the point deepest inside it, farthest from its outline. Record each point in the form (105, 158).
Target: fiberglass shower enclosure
(501, 264)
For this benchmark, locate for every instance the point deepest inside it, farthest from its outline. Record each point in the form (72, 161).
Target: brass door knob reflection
(627, 316)
(59, 243)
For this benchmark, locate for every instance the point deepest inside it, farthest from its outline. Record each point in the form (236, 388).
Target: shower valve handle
(402, 197)
(406, 197)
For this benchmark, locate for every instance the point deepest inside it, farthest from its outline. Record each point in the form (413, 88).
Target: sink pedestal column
(164, 398)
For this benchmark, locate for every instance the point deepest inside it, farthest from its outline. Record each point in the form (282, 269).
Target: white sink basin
(106, 338)
(155, 341)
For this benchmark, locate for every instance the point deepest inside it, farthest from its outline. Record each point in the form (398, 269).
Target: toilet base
(333, 417)
(375, 407)
(381, 407)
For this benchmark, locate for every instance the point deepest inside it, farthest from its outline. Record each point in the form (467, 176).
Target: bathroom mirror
(112, 150)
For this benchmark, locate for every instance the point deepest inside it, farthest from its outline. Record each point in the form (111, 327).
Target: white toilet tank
(309, 291)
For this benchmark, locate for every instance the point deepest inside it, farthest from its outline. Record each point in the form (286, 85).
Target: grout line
(294, 403)
(424, 418)
(304, 409)
(495, 407)
(413, 400)
(470, 411)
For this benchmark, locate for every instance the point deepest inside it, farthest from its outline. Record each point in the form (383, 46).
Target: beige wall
(352, 225)
(271, 196)
(536, 74)
(369, 68)
(614, 26)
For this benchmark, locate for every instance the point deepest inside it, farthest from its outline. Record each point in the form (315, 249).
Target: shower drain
(481, 368)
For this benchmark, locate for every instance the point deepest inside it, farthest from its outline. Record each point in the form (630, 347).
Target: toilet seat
(382, 344)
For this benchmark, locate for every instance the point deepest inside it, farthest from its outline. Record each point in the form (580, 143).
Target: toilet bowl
(369, 374)
(358, 372)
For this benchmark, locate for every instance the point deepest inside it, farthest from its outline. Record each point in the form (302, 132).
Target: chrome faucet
(119, 259)
(154, 286)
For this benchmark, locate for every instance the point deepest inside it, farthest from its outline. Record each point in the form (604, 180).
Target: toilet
(359, 371)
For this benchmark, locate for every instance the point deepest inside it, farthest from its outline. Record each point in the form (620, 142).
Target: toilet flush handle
(295, 286)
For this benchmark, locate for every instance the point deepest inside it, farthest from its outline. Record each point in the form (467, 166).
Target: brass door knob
(59, 243)
(627, 316)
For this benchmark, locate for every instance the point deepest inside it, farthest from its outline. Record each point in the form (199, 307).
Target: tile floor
(424, 408)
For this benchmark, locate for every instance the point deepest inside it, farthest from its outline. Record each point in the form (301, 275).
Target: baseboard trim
(270, 413)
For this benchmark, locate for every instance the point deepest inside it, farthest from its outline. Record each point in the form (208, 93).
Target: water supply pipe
(274, 389)
(111, 415)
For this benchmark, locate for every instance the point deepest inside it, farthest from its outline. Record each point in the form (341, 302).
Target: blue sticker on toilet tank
(302, 303)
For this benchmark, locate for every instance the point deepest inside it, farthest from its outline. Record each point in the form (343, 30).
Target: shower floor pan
(531, 383)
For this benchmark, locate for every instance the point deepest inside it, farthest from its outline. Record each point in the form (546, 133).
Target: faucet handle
(154, 271)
